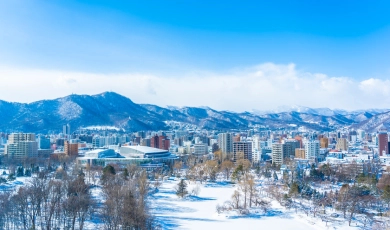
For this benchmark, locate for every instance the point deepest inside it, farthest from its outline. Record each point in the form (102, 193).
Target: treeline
(62, 199)
(46, 203)
(125, 203)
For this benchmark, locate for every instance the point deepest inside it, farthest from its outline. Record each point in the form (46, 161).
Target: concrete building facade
(312, 150)
(383, 140)
(21, 146)
(225, 142)
(242, 150)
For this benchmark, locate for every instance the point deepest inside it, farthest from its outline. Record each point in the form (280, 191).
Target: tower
(383, 140)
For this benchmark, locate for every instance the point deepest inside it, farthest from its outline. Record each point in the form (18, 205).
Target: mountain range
(114, 110)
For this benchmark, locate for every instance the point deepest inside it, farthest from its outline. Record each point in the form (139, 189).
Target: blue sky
(180, 38)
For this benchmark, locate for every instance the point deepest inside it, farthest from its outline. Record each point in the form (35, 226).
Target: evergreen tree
(181, 190)
(20, 172)
(11, 177)
(125, 174)
(108, 172)
(109, 169)
(294, 189)
(386, 193)
(81, 173)
(275, 176)
(238, 172)
(27, 172)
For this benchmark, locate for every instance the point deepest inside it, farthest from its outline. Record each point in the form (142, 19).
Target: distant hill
(112, 109)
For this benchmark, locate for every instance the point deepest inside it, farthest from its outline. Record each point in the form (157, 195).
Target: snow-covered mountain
(375, 122)
(113, 110)
(318, 111)
(302, 109)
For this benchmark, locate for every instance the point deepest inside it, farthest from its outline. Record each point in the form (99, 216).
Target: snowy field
(199, 212)
(12, 185)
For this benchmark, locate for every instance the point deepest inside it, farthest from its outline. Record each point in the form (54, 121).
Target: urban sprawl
(339, 177)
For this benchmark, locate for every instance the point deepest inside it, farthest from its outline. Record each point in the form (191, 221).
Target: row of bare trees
(63, 199)
(125, 203)
(47, 204)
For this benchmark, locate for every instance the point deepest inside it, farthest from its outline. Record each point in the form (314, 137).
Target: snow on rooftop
(145, 149)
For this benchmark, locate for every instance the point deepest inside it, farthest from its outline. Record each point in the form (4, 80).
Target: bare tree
(236, 199)
(210, 168)
(227, 167)
(177, 167)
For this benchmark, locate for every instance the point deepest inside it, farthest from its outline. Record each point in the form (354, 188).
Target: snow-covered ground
(12, 185)
(199, 212)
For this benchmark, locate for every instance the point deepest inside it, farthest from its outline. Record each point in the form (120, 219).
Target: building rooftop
(145, 149)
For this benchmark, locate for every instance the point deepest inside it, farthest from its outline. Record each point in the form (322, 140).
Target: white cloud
(375, 86)
(261, 87)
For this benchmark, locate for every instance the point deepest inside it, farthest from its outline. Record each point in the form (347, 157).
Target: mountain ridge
(113, 109)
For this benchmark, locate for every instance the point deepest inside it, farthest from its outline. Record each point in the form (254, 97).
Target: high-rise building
(160, 142)
(383, 140)
(256, 143)
(225, 142)
(71, 149)
(299, 138)
(200, 149)
(97, 142)
(256, 156)
(145, 142)
(278, 154)
(242, 150)
(300, 153)
(324, 143)
(289, 147)
(137, 140)
(342, 144)
(361, 134)
(66, 130)
(352, 136)
(43, 142)
(18, 137)
(21, 145)
(312, 150)
(140, 134)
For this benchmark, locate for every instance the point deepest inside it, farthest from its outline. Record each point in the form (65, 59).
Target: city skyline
(229, 56)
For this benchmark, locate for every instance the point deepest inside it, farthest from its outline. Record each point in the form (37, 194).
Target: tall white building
(361, 135)
(66, 130)
(256, 143)
(256, 156)
(21, 145)
(18, 137)
(270, 142)
(312, 149)
(277, 154)
(213, 141)
(200, 149)
(225, 142)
